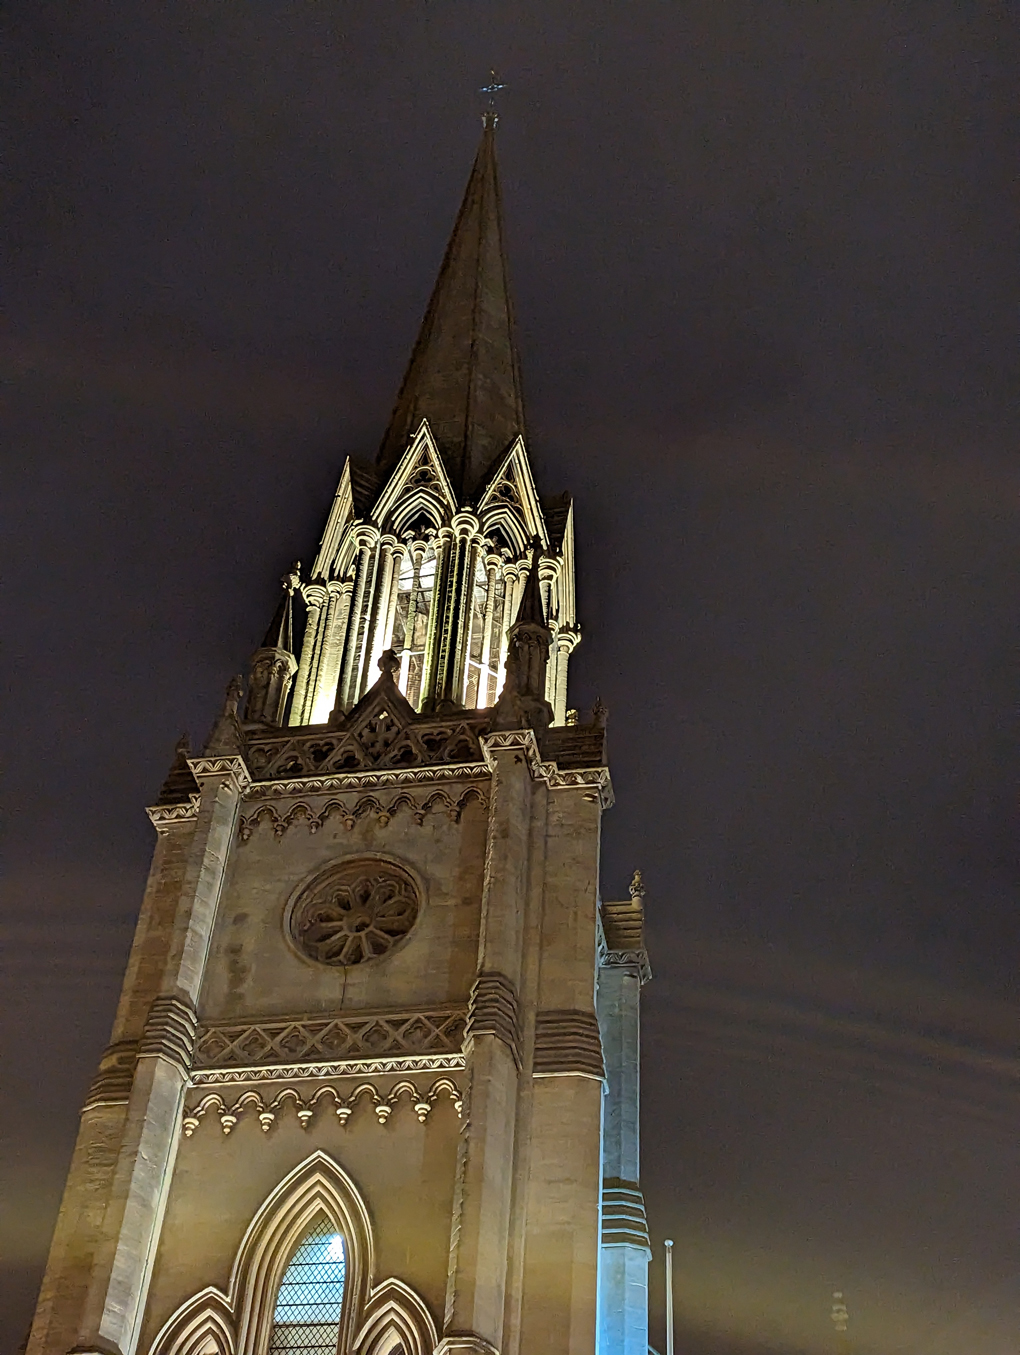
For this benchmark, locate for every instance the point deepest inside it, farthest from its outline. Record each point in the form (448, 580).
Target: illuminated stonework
(408, 564)
(376, 1012)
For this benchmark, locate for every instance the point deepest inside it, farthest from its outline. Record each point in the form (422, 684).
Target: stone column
(315, 596)
(322, 698)
(623, 1297)
(454, 603)
(353, 648)
(80, 1222)
(121, 1263)
(476, 1290)
(491, 575)
(559, 1299)
(440, 586)
(376, 640)
(417, 550)
(391, 603)
(563, 646)
(512, 589)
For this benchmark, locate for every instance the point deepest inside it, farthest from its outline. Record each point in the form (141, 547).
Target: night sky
(764, 258)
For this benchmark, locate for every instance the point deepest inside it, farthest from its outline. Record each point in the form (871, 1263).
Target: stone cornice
(165, 817)
(628, 959)
(368, 1067)
(367, 780)
(233, 768)
(594, 779)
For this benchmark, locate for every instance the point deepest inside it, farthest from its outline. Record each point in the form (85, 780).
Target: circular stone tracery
(357, 911)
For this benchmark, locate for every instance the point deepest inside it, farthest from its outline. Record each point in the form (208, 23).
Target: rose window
(357, 911)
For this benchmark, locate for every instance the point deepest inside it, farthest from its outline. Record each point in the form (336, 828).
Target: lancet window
(482, 671)
(415, 590)
(309, 1301)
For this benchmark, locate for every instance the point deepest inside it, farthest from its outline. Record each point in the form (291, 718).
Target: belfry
(372, 1085)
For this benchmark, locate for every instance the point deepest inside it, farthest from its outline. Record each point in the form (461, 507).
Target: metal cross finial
(490, 117)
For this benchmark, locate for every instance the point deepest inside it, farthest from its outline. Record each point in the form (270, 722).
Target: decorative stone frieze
(348, 813)
(382, 741)
(372, 1067)
(365, 1036)
(383, 1103)
(623, 1214)
(568, 1043)
(493, 1010)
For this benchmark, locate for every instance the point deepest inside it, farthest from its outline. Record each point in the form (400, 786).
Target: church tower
(372, 1086)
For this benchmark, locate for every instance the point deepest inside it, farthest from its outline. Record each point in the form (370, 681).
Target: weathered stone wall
(252, 971)
(403, 1169)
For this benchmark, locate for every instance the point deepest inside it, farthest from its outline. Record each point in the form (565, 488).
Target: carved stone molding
(594, 779)
(274, 1072)
(568, 1043)
(628, 959)
(355, 911)
(493, 1010)
(465, 1343)
(232, 767)
(111, 1085)
(366, 1038)
(383, 1104)
(439, 801)
(165, 817)
(622, 932)
(374, 780)
(169, 1033)
(623, 1214)
(389, 737)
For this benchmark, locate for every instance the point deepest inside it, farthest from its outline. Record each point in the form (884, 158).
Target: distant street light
(669, 1296)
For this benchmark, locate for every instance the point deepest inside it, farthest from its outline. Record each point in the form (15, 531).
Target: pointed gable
(418, 490)
(509, 505)
(463, 374)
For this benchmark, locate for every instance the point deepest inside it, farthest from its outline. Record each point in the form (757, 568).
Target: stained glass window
(306, 1320)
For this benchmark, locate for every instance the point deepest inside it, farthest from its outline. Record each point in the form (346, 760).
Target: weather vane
(490, 117)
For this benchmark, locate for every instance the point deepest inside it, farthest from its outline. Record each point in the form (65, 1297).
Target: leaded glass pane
(306, 1320)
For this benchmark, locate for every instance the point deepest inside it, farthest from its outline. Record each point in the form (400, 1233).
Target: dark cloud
(764, 260)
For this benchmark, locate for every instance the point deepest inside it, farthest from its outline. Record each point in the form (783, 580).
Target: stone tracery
(357, 911)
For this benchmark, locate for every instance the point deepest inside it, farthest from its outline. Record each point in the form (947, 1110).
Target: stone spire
(463, 375)
(273, 664)
(522, 703)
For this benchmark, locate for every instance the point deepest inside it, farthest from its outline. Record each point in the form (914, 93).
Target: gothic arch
(396, 1319)
(238, 1322)
(317, 1187)
(202, 1326)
